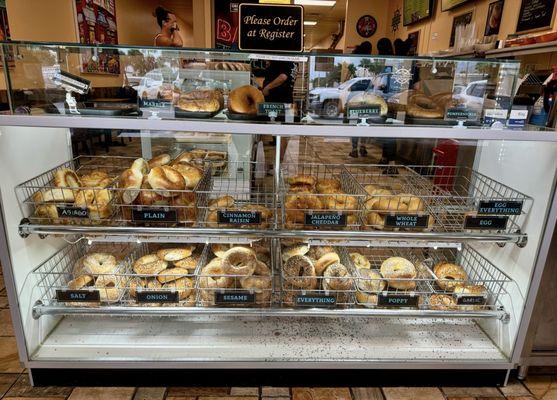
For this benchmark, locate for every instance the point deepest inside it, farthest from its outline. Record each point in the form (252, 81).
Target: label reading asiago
(72, 212)
(227, 298)
(406, 221)
(325, 219)
(315, 300)
(363, 111)
(397, 300)
(77, 296)
(238, 217)
(154, 215)
(500, 207)
(157, 297)
(486, 223)
(470, 300)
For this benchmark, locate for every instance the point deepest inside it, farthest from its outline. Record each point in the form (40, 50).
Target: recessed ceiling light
(310, 23)
(317, 3)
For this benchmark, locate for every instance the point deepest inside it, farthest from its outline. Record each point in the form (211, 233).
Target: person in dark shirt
(363, 48)
(278, 86)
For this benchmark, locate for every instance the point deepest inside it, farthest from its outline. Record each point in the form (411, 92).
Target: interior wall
(354, 10)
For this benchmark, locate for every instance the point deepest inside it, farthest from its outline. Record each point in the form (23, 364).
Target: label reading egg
(486, 223)
(238, 217)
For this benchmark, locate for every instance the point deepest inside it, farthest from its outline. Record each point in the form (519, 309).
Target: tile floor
(14, 383)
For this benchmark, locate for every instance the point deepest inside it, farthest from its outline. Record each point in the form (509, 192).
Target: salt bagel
(149, 264)
(99, 263)
(141, 166)
(175, 254)
(370, 281)
(244, 100)
(239, 261)
(449, 275)
(299, 272)
(110, 290)
(337, 277)
(325, 261)
(80, 282)
(158, 161)
(213, 276)
(302, 180)
(66, 178)
(130, 184)
(166, 181)
(360, 261)
(399, 273)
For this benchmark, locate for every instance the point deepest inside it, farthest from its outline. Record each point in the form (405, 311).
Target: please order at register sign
(266, 27)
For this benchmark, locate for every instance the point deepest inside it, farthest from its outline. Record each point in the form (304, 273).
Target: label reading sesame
(157, 297)
(315, 300)
(325, 219)
(72, 212)
(234, 297)
(77, 296)
(397, 300)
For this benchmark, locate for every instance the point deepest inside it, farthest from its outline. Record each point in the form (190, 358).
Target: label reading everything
(325, 219)
(315, 300)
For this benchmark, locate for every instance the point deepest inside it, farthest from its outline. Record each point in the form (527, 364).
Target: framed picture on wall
(535, 15)
(494, 16)
(462, 19)
(447, 5)
(416, 11)
(414, 39)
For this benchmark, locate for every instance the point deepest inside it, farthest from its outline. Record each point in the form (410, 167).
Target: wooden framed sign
(271, 27)
(535, 15)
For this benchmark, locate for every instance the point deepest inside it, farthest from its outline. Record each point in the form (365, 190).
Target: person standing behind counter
(168, 36)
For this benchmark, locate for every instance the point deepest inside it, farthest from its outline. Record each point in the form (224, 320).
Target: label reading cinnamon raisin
(238, 217)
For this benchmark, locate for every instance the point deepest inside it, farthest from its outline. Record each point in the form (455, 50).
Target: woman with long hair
(168, 36)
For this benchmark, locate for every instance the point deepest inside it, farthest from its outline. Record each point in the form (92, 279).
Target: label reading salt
(325, 219)
(238, 217)
(406, 221)
(72, 212)
(470, 300)
(77, 296)
(500, 207)
(154, 215)
(486, 223)
(157, 297)
(236, 297)
(315, 300)
(397, 300)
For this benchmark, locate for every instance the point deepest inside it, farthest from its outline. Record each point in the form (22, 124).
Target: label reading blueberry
(72, 212)
(238, 217)
(500, 207)
(157, 297)
(315, 300)
(370, 111)
(77, 296)
(470, 300)
(154, 215)
(234, 297)
(406, 221)
(397, 300)
(486, 223)
(325, 219)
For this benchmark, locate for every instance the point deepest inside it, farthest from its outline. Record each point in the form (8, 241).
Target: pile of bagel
(67, 188)
(452, 280)
(201, 100)
(417, 104)
(161, 182)
(306, 193)
(315, 268)
(228, 203)
(167, 269)
(237, 268)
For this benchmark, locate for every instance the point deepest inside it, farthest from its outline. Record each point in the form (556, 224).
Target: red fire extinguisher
(444, 159)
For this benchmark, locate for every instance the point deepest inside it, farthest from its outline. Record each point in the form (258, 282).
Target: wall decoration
(366, 26)
(447, 5)
(395, 22)
(96, 23)
(227, 22)
(494, 16)
(535, 15)
(5, 35)
(463, 19)
(416, 11)
(414, 38)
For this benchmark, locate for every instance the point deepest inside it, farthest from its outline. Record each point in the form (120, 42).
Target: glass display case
(201, 244)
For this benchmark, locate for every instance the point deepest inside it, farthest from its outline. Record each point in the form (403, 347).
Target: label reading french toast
(153, 215)
(486, 223)
(272, 109)
(470, 300)
(397, 300)
(406, 221)
(157, 297)
(368, 111)
(325, 219)
(315, 300)
(238, 217)
(77, 296)
(72, 212)
(500, 207)
(234, 297)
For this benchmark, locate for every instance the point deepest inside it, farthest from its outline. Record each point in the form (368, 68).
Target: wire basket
(320, 196)
(238, 199)
(438, 198)
(217, 289)
(318, 291)
(43, 202)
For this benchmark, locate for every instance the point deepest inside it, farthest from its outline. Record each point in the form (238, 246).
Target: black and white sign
(272, 109)
(486, 223)
(154, 103)
(238, 217)
(363, 112)
(234, 297)
(397, 300)
(325, 219)
(72, 212)
(500, 207)
(461, 114)
(315, 300)
(271, 27)
(535, 15)
(470, 300)
(154, 215)
(71, 82)
(77, 296)
(406, 221)
(517, 118)
(157, 297)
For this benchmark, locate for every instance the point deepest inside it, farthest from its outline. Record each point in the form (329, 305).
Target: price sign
(407, 221)
(76, 296)
(238, 217)
(517, 118)
(461, 114)
(154, 215)
(325, 219)
(72, 212)
(500, 207)
(486, 223)
(355, 112)
(397, 300)
(315, 300)
(157, 297)
(236, 297)
(471, 300)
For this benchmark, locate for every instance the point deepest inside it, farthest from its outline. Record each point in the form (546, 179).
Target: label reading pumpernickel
(406, 221)
(157, 297)
(315, 300)
(470, 300)
(486, 223)
(500, 207)
(236, 297)
(369, 111)
(77, 296)
(154, 215)
(325, 219)
(238, 217)
(72, 212)
(460, 114)
(397, 300)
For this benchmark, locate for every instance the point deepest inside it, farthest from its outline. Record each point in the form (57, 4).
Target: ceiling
(327, 18)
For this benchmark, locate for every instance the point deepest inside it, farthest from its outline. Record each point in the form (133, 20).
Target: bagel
(295, 250)
(192, 175)
(449, 276)
(316, 252)
(399, 273)
(471, 290)
(368, 99)
(109, 289)
(189, 263)
(422, 111)
(141, 166)
(221, 203)
(213, 276)
(298, 271)
(80, 282)
(337, 277)
(99, 263)
(175, 254)
(149, 264)
(244, 100)
(166, 181)
(148, 197)
(327, 185)
(442, 302)
(184, 204)
(325, 261)
(95, 179)
(370, 281)
(239, 261)
(130, 184)
(360, 261)
(260, 280)
(184, 157)
(299, 188)
(376, 190)
(366, 299)
(54, 195)
(303, 202)
(97, 201)
(302, 180)
(375, 220)
(66, 178)
(172, 274)
(184, 286)
(341, 202)
(159, 161)
(219, 249)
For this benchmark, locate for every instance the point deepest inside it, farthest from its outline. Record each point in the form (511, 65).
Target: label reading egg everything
(500, 207)
(234, 297)
(325, 219)
(486, 223)
(470, 300)
(315, 300)
(406, 221)
(397, 300)
(238, 217)
(157, 297)
(72, 212)
(154, 215)
(77, 296)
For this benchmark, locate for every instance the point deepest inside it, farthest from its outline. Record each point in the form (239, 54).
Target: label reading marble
(154, 215)
(500, 207)
(315, 300)
(486, 223)
(325, 219)
(238, 217)
(77, 296)
(406, 221)
(397, 300)
(72, 212)
(470, 300)
(226, 298)
(157, 297)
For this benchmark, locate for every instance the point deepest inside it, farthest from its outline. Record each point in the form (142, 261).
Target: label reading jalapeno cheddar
(325, 219)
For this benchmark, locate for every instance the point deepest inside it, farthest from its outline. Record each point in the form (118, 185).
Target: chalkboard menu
(271, 27)
(416, 10)
(535, 14)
